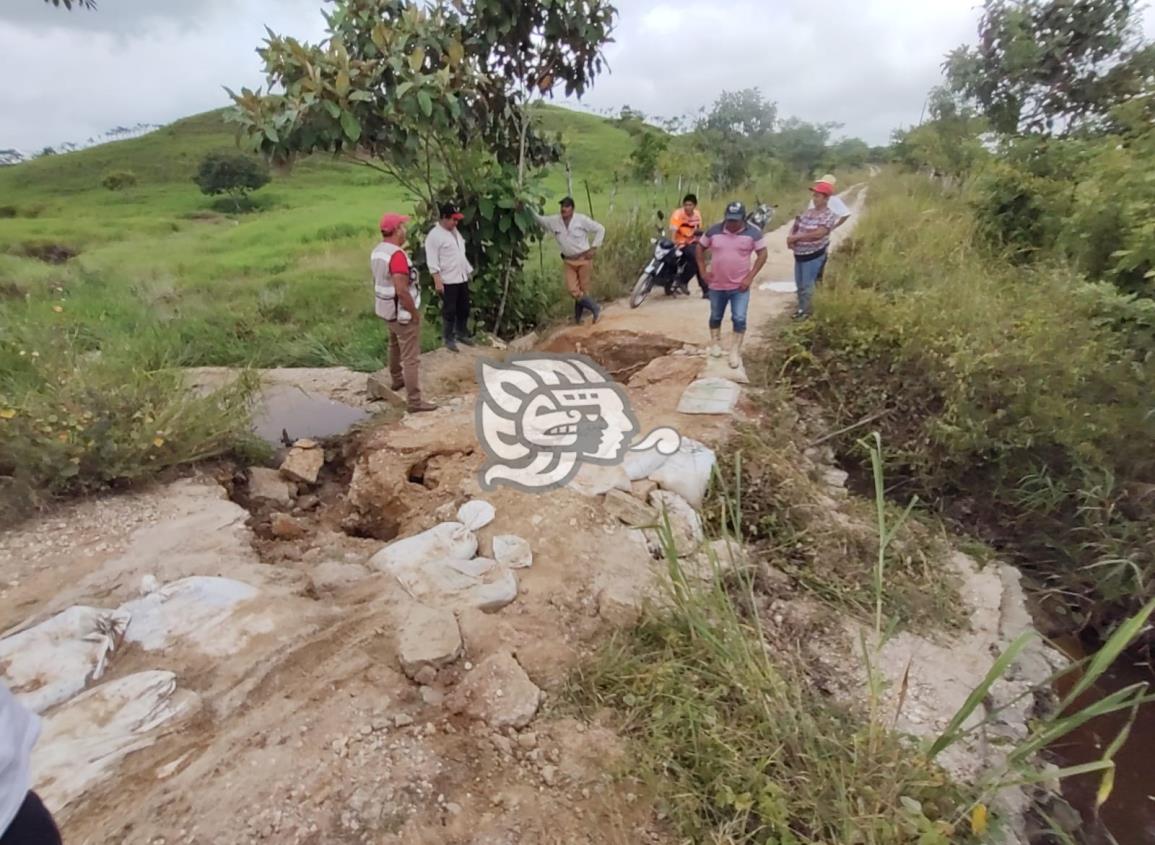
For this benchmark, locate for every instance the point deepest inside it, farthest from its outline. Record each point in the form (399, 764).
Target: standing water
(286, 411)
(1129, 814)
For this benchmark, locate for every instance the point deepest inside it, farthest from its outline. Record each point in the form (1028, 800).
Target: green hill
(285, 286)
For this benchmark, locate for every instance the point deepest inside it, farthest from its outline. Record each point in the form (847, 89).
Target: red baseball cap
(823, 188)
(391, 220)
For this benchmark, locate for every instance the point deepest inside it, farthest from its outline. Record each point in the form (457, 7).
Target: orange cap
(824, 188)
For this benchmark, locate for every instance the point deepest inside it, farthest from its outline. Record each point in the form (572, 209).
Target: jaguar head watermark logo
(541, 416)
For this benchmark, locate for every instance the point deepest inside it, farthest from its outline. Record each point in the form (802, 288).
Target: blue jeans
(805, 278)
(739, 302)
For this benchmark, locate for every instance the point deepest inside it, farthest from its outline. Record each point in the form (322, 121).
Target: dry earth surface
(327, 704)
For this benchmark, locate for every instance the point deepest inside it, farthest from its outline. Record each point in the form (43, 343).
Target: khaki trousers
(405, 357)
(577, 276)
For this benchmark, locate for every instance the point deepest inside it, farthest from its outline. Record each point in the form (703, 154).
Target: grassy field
(286, 286)
(158, 278)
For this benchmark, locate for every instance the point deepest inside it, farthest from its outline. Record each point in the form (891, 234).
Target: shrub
(1016, 397)
(231, 173)
(118, 180)
(73, 420)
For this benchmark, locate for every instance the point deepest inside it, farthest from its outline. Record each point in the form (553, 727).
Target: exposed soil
(308, 730)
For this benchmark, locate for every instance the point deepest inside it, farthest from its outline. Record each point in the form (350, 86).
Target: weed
(741, 745)
(1012, 397)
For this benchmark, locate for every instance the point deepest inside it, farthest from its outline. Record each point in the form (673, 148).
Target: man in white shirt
(574, 233)
(445, 257)
(23, 818)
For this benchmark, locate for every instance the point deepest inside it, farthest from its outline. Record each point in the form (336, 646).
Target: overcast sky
(867, 64)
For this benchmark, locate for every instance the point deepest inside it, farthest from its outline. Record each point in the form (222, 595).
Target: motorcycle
(761, 215)
(665, 268)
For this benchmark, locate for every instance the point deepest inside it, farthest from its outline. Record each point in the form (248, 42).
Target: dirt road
(318, 702)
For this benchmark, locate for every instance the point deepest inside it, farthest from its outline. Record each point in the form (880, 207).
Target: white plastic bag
(449, 539)
(194, 610)
(49, 663)
(82, 742)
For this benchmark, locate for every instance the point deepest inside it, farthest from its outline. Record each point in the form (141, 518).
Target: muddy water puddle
(294, 413)
(1129, 814)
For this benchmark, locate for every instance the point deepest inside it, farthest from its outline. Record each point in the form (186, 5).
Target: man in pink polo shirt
(729, 245)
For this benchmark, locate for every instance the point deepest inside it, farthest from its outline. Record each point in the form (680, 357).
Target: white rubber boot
(715, 343)
(736, 350)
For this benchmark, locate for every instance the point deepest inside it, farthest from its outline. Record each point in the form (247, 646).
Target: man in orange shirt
(686, 225)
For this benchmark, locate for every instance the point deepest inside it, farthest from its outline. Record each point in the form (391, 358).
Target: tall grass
(1022, 394)
(741, 746)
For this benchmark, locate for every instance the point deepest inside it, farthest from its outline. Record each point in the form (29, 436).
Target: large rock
(687, 472)
(428, 637)
(304, 462)
(285, 527)
(404, 473)
(497, 692)
(267, 485)
(685, 524)
(629, 510)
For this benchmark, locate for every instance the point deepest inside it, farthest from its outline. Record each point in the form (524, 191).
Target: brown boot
(397, 385)
(422, 407)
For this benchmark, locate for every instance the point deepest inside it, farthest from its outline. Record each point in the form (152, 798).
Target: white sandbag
(475, 568)
(639, 465)
(48, 664)
(446, 540)
(495, 593)
(82, 742)
(597, 479)
(512, 551)
(442, 583)
(687, 471)
(194, 611)
(476, 514)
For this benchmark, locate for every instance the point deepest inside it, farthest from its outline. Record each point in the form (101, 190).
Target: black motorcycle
(761, 215)
(666, 268)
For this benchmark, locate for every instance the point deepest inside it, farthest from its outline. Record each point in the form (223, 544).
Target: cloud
(69, 76)
(867, 64)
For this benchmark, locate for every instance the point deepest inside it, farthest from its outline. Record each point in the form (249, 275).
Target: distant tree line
(741, 135)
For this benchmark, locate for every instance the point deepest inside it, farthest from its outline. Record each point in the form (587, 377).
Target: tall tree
(70, 4)
(802, 145)
(436, 95)
(1053, 66)
(736, 131)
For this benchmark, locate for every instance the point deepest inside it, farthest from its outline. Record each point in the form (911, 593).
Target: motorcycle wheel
(642, 288)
